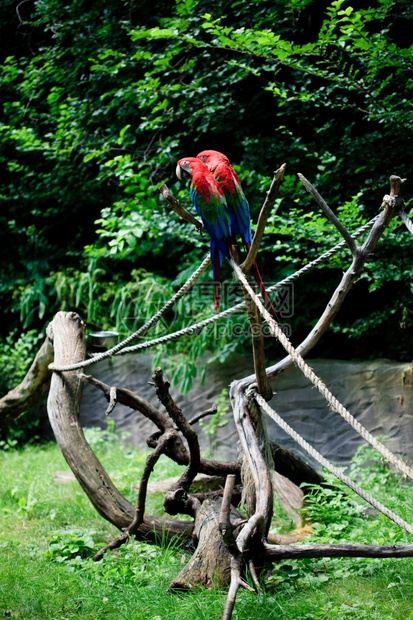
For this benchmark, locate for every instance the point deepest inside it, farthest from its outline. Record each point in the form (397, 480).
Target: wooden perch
(178, 452)
(176, 206)
(396, 185)
(263, 217)
(329, 213)
(210, 563)
(252, 453)
(258, 351)
(176, 499)
(274, 553)
(138, 519)
(391, 205)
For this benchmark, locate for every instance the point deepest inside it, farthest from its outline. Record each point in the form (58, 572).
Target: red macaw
(238, 206)
(209, 201)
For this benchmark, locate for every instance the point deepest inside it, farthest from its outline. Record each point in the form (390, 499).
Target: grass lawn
(48, 532)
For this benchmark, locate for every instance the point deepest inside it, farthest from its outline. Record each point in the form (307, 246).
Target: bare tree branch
(396, 185)
(176, 206)
(211, 411)
(178, 493)
(33, 387)
(258, 351)
(138, 519)
(178, 451)
(329, 213)
(263, 217)
(274, 553)
(391, 205)
(224, 524)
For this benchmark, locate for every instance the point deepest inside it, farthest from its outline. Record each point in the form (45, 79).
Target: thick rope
(122, 349)
(142, 330)
(322, 258)
(408, 222)
(329, 466)
(276, 331)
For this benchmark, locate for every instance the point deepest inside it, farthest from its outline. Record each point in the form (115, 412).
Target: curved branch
(176, 206)
(63, 409)
(138, 519)
(33, 387)
(177, 494)
(178, 451)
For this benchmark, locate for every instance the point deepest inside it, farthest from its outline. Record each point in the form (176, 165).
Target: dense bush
(100, 100)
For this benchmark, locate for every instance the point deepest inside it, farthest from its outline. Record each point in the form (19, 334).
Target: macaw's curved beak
(183, 167)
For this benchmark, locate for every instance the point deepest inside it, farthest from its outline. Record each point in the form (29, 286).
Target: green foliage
(101, 104)
(16, 356)
(68, 545)
(46, 569)
(338, 516)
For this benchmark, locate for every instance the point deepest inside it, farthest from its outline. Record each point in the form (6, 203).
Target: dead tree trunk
(32, 389)
(210, 565)
(63, 409)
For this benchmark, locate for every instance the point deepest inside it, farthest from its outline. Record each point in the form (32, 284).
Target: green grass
(48, 532)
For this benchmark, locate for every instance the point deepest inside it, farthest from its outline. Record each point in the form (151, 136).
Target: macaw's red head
(189, 165)
(212, 157)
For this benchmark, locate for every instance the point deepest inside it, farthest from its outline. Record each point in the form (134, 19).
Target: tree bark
(31, 390)
(63, 409)
(293, 467)
(210, 563)
(283, 552)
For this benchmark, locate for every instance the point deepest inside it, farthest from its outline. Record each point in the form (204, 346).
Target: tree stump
(210, 564)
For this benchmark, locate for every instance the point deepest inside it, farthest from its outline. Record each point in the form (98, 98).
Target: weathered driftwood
(63, 409)
(32, 389)
(275, 553)
(263, 217)
(176, 499)
(178, 451)
(293, 467)
(252, 537)
(210, 564)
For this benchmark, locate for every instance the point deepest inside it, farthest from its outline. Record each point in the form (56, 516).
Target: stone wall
(372, 391)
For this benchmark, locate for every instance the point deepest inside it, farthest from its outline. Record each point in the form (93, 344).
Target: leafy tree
(100, 101)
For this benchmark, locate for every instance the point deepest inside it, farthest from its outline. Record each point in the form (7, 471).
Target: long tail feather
(261, 287)
(216, 270)
(263, 291)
